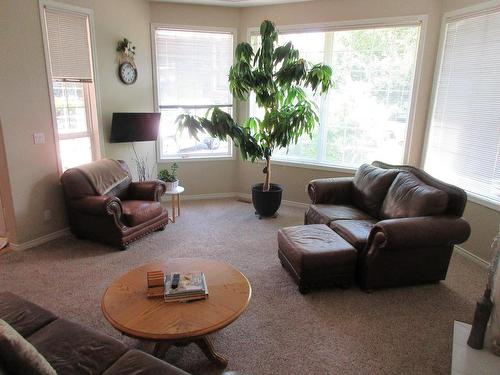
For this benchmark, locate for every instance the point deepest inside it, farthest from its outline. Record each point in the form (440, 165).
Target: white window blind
(192, 69)
(68, 45)
(464, 140)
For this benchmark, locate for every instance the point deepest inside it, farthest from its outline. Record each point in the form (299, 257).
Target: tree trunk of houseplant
(266, 197)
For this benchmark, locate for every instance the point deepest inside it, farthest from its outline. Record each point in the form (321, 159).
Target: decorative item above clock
(127, 71)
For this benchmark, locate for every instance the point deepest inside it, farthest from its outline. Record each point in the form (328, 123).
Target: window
(67, 43)
(366, 115)
(192, 68)
(463, 144)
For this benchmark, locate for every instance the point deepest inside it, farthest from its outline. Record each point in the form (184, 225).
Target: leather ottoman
(316, 256)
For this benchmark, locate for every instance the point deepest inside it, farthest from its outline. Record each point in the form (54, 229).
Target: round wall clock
(127, 73)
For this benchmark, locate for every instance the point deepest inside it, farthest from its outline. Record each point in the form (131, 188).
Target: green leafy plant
(278, 76)
(169, 175)
(126, 47)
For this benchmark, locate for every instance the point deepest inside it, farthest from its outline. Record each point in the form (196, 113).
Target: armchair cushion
(147, 190)
(370, 186)
(104, 174)
(408, 196)
(326, 213)
(356, 232)
(138, 212)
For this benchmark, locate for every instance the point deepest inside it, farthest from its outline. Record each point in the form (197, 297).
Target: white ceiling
(233, 3)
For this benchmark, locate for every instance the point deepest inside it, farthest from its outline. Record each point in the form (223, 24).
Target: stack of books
(192, 286)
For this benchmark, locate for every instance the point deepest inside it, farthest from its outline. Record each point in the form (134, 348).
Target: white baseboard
(40, 240)
(283, 202)
(245, 196)
(472, 257)
(198, 197)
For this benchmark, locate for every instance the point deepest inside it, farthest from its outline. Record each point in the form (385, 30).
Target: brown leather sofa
(74, 349)
(403, 222)
(123, 214)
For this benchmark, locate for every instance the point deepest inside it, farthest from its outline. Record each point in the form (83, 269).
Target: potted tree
(278, 76)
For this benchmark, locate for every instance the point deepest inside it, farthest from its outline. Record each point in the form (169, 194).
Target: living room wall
(24, 110)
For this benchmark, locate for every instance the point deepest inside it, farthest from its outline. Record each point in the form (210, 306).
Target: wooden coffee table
(127, 308)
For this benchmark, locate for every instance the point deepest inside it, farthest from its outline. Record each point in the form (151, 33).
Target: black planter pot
(266, 203)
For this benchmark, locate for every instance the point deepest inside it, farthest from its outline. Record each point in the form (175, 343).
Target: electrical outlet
(47, 215)
(38, 138)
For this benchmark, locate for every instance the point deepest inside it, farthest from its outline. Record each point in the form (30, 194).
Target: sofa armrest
(147, 190)
(330, 190)
(98, 205)
(417, 232)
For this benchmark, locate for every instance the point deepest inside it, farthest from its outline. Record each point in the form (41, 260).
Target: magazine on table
(191, 286)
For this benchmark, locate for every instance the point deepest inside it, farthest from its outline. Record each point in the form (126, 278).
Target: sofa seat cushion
(408, 196)
(355, 232)
(135, 362)
(25, 317)
(370, 186)
(73, 349)
(138, 212)
(19, 356)
(326, 213)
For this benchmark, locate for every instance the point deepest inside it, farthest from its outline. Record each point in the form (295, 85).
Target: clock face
(127, 72)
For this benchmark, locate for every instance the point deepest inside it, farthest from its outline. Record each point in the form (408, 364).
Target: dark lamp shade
(134, 127)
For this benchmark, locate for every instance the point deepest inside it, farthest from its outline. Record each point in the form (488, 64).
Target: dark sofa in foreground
(73, 349)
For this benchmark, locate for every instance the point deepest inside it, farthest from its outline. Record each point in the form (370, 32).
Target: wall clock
(127, 73)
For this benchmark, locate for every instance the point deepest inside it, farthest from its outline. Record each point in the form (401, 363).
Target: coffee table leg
(205, 344)
(160, 349)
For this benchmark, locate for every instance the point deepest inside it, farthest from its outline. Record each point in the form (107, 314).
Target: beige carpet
(393, 331)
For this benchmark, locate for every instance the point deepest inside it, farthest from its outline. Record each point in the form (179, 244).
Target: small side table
(176, 196)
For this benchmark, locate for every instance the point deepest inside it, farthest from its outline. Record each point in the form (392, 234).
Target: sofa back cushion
(19, 356)
(77, 185)
(370, 186)
(408, 196)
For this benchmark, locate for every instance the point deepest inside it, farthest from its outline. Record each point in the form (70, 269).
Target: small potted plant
(169, 176)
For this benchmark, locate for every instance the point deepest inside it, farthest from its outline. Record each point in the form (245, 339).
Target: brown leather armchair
(128, 211)
(403, 222)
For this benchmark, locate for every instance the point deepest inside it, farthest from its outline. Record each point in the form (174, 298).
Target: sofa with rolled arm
(104, 205)
(402, 222)
(69, 347)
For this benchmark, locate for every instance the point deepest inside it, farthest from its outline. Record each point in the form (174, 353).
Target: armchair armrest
(330, 190)
(147, 190)
(417, 232)
(99, 205)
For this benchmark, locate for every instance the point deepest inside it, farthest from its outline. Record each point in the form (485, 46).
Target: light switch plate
(39, 138)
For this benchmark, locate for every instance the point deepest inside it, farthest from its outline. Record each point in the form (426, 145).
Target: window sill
(195, 158)
(489, 203)
(311, 165)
